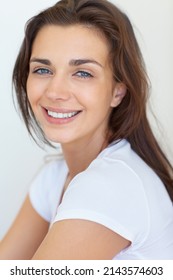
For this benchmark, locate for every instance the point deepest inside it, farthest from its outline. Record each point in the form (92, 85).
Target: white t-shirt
(117, 190)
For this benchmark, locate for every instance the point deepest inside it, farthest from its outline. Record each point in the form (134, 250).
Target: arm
(80, 239)
(25, 235)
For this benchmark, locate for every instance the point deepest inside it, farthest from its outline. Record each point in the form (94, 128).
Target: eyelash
(81, 74)
(42, 71)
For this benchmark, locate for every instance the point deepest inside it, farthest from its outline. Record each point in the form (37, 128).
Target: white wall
(20, 158)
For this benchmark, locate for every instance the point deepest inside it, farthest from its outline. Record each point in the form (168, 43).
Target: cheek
(96, 97)
(33, 91)
(102, 96)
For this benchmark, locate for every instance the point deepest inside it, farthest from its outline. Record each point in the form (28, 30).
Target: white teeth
(61, 115)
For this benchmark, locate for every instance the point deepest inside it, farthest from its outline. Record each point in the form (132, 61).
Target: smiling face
(70, 85)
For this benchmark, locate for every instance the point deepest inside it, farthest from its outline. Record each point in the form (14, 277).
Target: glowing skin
(71, 91)
(70, 85)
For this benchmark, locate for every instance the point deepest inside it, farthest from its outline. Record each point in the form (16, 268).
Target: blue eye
(83, 74)
(42, 71)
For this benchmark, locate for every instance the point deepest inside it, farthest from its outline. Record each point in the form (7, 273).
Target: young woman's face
(70, 85)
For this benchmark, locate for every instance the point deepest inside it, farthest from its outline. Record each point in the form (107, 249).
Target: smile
(62, 115)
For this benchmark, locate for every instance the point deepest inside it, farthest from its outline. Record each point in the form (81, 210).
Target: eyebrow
(72, 62)
(78, 62)
(40, 60)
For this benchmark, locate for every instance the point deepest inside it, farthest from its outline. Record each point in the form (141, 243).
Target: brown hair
(129, 119)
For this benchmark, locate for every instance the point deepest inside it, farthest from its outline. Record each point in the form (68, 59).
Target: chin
(59, 139)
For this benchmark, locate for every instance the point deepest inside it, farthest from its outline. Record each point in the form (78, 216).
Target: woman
(80, 81)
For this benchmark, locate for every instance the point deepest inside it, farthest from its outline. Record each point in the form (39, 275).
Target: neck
(79, 156)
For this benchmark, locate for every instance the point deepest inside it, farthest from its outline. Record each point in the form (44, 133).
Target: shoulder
(108, 192)
(46, 186)
(117, 167)
(50, 167)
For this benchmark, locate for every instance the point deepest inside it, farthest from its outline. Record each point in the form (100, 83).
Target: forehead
(75, 40)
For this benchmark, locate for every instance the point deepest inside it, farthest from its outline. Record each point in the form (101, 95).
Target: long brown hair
(129, 119)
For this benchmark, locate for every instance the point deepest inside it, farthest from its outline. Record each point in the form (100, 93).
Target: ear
(118, 94)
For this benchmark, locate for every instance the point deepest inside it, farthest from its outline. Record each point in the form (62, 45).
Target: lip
(55, 121)
(60, 110)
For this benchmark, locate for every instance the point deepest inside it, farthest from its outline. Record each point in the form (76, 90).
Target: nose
(58, 88)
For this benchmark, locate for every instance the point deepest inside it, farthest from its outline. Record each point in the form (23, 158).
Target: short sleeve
(45, 190)
(111, 194)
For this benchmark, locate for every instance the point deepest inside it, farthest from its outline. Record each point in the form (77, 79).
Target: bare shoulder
(80, 239)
